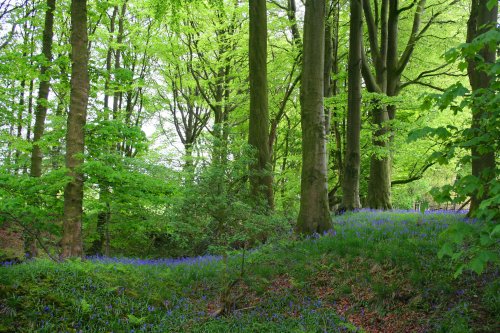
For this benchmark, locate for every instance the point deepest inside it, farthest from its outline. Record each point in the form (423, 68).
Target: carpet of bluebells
(373, 272)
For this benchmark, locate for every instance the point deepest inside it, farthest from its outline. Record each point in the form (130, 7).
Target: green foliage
(212, 211)
(471, 247)
(375, 262)
(32, 205)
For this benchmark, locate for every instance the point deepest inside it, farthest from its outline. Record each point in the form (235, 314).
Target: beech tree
(41, 107)
(261, 180)
(350, 182)
(483, 17)
(388, 63)
(314, 213)
(71, 242)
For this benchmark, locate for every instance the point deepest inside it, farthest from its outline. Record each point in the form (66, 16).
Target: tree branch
(368, 77)
(410, 46)
(415, 177)
(372, 30)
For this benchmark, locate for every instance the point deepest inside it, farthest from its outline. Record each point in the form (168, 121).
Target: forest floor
(376, 272)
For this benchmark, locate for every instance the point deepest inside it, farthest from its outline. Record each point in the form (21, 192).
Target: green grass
(377, 271)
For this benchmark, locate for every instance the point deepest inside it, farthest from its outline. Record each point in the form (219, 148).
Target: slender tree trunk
(314, 214)
(483, 163)
(284, 163)
(337, 163)
(75, 137)
(30, 110)
(261, 180)
(20, 123)
(41, 109)
(327, 71)
(350, 183)
(43, 90)
(109, 55)
(119, 40)
(55, 152)
(100, 245)
(291, 13)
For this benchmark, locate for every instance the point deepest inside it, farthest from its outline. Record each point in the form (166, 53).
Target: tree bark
(19, 124)
(109, 55)
(75, 137)
(314, 214)
(336, 125)
(350, 183)
(100, 246)
(383, 40)
(261, 180)
(483, 163)
(327, 70)
(117, 96)
(43, 90)
(41, 109)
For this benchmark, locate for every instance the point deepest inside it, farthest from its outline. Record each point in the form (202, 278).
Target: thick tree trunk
(75, 137)
(261, 180)
(379, 184)
(483, 163)
(388, 68)
(350, 183)
(314, 214)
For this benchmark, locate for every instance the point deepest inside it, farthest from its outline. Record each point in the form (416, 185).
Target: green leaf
(135, 320)
(459, 271)
(496, 230)
(486, 240)
(479, 262)
(490, 4)
(85, 306)
(446, 250)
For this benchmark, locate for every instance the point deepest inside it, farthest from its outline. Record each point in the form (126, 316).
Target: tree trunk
(327, 71)
(483, 163)
(108, 62)
(388, 68)
(379, 184)
(117, 98)
(43, 90)
(100, 246)
(261, 180)
(41, 109)
(75, 137)
(314, 215)
(20, 124)
(350, 183)
(336, 150)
